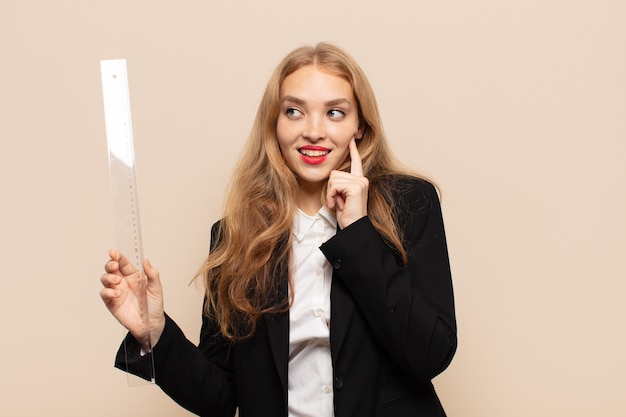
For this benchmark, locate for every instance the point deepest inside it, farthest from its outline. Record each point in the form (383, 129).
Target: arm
(198, 378)
(410, 310)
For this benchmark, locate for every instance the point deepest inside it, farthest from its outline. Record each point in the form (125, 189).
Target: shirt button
(327, 390)
(337, 264)
(318, 272)
(318, 312)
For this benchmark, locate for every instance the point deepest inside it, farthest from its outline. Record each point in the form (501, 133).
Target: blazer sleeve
(409, 309)
(200, 379)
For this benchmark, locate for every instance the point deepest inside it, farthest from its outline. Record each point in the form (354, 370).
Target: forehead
(311, 82)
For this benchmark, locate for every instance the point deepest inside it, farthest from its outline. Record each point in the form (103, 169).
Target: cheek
(342, 138)
(281, 137)
(341, 156)
(345, 131)
(283, 133)
(342, 142)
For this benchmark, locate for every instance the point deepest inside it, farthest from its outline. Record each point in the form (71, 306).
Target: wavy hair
(245, 270)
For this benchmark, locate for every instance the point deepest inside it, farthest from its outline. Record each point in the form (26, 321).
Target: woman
(328, 288)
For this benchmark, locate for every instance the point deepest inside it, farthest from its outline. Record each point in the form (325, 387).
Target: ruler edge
(109, 64)
(106, 67)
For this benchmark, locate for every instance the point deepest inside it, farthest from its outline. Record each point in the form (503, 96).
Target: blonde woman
(328, 287)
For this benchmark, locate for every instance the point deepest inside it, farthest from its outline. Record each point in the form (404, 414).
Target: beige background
(516, 108)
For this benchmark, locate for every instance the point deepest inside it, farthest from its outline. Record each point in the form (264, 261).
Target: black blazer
(392, 330)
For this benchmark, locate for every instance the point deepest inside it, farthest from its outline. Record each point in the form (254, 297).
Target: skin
(122, 295)
(319, 116)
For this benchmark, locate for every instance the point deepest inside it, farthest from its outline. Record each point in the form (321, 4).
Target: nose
(314, 129)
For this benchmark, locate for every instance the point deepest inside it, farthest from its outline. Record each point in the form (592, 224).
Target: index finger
(356, 165)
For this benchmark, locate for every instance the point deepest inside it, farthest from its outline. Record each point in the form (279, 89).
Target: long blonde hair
(246, 269)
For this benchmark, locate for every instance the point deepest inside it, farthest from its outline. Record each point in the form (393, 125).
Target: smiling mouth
(313, 153)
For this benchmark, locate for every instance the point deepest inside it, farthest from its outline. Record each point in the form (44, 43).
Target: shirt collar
(302, 222)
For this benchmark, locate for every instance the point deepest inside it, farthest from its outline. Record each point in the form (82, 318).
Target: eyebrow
(329, 103)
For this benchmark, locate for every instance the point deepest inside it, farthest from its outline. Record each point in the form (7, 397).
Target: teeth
(309, 152)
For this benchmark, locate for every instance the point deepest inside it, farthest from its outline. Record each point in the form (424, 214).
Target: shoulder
(412, 193)
(215, 229)
(414, 202)
(216, 232)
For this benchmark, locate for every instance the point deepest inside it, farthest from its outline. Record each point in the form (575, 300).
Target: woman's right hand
(135, 303)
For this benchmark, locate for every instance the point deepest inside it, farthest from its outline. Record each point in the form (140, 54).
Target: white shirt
(310, 381)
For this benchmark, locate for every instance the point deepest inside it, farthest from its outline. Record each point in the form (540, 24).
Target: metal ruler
(122, 176)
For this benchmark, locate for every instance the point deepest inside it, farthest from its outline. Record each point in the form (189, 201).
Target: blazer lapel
(341, 311)
(278, 334)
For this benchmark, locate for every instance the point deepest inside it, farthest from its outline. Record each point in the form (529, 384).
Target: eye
(292, 112)
(336, 114)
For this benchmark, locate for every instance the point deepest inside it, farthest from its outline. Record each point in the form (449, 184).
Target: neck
(310, 198)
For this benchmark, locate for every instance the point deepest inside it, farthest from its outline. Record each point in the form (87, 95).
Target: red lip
(315, 148)
(314, 160)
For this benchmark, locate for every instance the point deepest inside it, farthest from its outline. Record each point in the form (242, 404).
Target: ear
(360, 131)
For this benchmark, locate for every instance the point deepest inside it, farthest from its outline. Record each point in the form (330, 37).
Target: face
(318, 119)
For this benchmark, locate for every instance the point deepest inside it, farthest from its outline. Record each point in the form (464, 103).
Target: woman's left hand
(347, 191)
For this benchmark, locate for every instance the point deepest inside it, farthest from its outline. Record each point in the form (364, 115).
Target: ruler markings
(122, 175)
